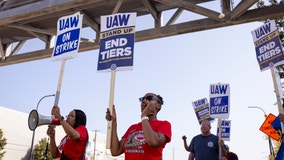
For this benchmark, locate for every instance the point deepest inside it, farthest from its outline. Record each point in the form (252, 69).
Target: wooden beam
(175, 16)
(42, 9)
(2, 52)
(90, 22)
(192, 8)
(151, 9)
(253, 15)
(117, 6)
(226, 6)
(32, 29)
(241, 8)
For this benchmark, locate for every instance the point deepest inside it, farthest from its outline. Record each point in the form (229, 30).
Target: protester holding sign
(205, 146)
(146, 139)
(276, 124)
(73, 145)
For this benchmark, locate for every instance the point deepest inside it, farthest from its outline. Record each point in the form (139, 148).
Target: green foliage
(41, 150)
(279, 21)
(3, 142)
(280, 26)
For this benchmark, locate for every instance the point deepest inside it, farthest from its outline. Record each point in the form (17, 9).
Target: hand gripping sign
(117, 39)
(219, 105)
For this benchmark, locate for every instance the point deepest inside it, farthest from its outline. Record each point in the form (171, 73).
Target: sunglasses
(149, 98)
(70, 116)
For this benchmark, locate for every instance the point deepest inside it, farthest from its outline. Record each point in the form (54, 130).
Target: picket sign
(267, 41)
(111, 103)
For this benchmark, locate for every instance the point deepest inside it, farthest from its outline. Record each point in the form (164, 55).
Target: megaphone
(36, 120)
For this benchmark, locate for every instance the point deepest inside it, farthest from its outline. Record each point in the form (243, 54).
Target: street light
(269, 139)
(95, 141)
(173, 149)
(31, 152)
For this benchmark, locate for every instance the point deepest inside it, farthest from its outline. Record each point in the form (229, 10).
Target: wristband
(145, 118)
(61, 118)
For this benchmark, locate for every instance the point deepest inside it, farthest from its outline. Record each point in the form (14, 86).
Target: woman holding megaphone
(73, 145)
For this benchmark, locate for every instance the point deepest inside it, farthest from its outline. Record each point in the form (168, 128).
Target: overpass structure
(23, 20)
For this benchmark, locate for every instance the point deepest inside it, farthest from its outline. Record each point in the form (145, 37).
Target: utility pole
(95, 142)
(269, 139)
(173, 149)
(32, 145)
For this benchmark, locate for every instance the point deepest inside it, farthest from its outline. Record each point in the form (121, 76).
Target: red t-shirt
(135, 146)
(74, 149)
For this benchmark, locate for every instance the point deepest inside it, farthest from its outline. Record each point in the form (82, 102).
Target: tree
(3, 142)
(279, 21)
(280, 26)
(27, 155)
(41, 150)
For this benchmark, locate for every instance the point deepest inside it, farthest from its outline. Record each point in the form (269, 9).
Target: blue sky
(179, 68)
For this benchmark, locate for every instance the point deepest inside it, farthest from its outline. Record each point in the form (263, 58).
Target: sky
(179, 68)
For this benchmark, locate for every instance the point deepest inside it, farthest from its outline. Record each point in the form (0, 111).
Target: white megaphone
(36, 120)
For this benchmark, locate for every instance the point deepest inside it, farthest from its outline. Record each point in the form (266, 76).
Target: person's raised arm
(185, 142)
(224, 151)
(116, 146)
(52, 146)
(153, 138)
(69, 130)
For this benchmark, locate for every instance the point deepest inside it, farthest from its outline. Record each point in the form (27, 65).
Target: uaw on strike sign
(219, 106)
(267, 45)
(201, 108)
(68, 37)
(117, 39)
(225, 130)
